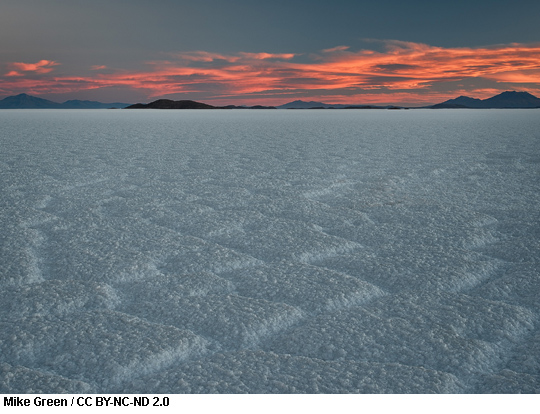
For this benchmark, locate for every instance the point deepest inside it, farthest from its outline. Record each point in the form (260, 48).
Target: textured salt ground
(509, 382)
(17, 379)
(381, 252)
(101, 347)
(233, 321)
(275, 373)
(414, 330)
(310, 288)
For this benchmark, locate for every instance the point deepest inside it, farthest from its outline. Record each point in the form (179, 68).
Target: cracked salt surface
(269, 251)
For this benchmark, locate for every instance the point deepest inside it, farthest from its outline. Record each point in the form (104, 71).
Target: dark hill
(261, 107)
(322, 105)
(446, 105)
(461, 102)
(24, 101)
(169, 104)
(77, 104)
(304, 105)
(508, 99)
(512, 99)
(247, 107)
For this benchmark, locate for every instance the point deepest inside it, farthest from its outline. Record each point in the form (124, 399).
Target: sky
(412, 52)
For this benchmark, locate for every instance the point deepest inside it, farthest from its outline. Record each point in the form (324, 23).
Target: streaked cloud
(261, 56)
(400, 72)
(202, 56)
(335, 49)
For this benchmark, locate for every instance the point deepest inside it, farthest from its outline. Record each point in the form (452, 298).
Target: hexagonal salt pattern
(269, 251)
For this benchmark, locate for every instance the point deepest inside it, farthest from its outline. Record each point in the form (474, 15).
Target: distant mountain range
(187, 104)
(508, 99)
(322, 105)
(306, 105)
(24, 101)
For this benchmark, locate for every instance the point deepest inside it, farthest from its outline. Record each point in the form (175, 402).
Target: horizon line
(348, 104)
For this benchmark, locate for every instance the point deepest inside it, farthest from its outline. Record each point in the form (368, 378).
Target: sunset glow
(401, 72)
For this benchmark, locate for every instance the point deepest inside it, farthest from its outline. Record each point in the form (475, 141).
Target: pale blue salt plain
(270, 251)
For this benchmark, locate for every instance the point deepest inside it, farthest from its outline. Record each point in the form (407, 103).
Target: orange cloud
(517, 76)
(409, 66)
(402, 72)
(43, 66)
(14, 73)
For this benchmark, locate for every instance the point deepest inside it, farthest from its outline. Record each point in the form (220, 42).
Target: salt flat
(270, 251)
